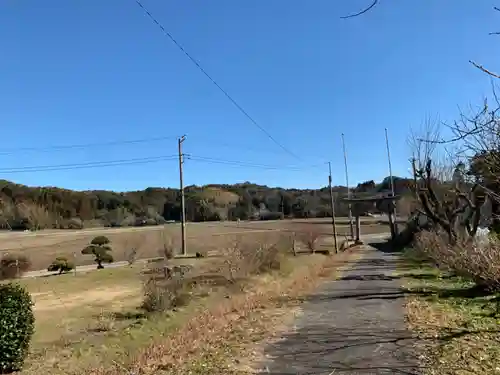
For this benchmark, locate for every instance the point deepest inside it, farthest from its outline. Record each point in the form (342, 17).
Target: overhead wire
(214, 82)
(96, 164)
(211, 160)
(148, 160)
(50, 148)
(83, 146)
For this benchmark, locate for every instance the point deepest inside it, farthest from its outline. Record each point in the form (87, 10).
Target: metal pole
(348, 189)
(183, 202)
(332, 202)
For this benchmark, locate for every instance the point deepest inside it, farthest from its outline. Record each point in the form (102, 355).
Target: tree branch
(375, 2)
(482, 68)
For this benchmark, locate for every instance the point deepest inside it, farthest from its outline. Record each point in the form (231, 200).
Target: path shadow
(382, 276)
(388, 247)
(342, 350)
(391, 293)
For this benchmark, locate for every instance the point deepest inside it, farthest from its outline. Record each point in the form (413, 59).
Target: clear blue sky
(83, 71)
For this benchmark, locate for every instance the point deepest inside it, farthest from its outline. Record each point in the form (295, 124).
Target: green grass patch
(458, 324)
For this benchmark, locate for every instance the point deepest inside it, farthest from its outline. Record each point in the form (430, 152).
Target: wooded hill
(24, 207)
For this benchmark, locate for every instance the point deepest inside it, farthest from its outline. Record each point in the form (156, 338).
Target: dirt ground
(43, 247)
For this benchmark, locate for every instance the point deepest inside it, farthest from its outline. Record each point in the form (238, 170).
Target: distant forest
(23, 207)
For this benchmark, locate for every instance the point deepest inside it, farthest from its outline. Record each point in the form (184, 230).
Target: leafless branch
(482, 68)
(375, 2)
(422, 142)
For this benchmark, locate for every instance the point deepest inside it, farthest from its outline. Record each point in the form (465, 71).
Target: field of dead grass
(42, 248)
(90, 323)
(457, 327)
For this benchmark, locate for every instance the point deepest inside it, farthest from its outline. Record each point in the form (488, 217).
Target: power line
(10, 151)
(211, 160)
(148, 160)
(70, 147)
(97, 164)
(197, 64)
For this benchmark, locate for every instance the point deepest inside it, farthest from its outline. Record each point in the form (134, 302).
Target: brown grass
(43, 247)
(210, 340)
(89, 323)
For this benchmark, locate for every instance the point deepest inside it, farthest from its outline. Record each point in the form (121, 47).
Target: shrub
(163, 294)
(16, 326)
(74, 223)
(61, 265)
(13, 266)
(201, 254)
(167, 247)
(478, 264)
(309, 236)
(99, 247)
(245, 259)
(133, 244)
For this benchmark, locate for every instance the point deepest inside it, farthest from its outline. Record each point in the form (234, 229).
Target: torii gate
(387, 203)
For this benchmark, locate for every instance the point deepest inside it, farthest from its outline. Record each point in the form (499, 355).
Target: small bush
(478, 264)
(74, 223)
(309, 237)
(201, 253)
(133, 245)
(16, 326)
(167, 246)
(13, 266)
(61, 265)
(245, 259)
(162, 294)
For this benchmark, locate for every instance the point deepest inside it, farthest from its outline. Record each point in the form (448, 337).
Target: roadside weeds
(215, 341)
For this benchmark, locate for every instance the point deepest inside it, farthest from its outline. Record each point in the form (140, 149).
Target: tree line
(23, 207)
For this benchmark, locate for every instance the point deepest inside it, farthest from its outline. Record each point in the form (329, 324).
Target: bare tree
(37, 215)
(457, 211)
(446, 194)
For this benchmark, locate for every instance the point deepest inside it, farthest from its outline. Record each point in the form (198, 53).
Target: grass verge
(221, 336)
(458, 326)
(89, 323)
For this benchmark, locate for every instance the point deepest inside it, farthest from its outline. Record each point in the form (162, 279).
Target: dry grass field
(43, 247)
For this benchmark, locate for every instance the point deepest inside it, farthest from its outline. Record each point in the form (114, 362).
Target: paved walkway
(354, 325)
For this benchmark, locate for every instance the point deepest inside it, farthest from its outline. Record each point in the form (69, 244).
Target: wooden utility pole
(389, 160)
(183, 201)
(414, 171)
(392, 203)
(332, 202)
(348, 190)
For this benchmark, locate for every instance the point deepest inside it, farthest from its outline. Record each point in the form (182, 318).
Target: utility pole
(332, 202)
(389, 160)
(348, 189)
(183, 202)
(392, 203)
(414, 171)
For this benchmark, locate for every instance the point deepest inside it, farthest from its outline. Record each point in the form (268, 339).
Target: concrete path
(354, 325)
